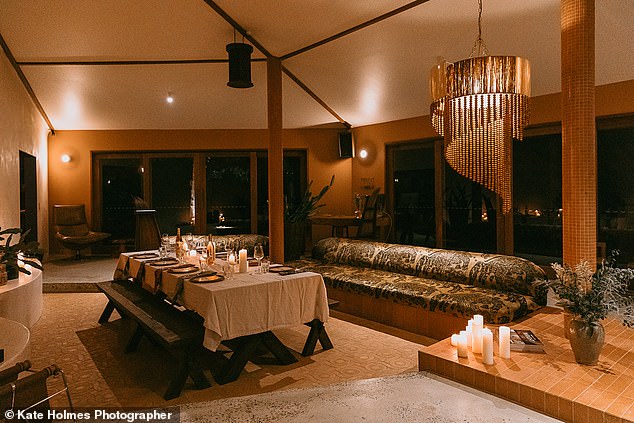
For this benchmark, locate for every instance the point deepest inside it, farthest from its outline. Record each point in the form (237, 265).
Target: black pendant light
(239, 65)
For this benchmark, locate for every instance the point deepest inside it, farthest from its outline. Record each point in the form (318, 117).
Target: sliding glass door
(217, 192)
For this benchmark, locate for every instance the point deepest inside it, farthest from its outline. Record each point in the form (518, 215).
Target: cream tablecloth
(245, 305)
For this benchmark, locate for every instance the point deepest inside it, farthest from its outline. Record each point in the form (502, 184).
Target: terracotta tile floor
(100, 374)
(551, 383)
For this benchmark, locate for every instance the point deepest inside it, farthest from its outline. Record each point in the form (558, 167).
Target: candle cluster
(480, 339)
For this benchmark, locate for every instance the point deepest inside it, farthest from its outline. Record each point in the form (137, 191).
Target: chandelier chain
(479, 47)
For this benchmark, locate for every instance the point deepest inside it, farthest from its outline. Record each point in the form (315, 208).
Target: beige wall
(70, 183)
(21, 128)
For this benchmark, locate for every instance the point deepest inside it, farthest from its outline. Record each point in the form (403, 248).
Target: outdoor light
(479, 104)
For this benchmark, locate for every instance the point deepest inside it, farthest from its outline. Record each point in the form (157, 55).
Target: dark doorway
(28, 195)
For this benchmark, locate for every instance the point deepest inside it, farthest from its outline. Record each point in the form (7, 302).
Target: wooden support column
(439, 193)
(579, 144)
(275, 157)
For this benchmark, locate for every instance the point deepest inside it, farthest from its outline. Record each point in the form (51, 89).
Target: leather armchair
(72, 230)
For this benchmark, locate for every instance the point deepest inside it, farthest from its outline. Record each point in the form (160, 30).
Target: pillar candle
(454, 340)
(487, 346)
(470, 334)
(244, 264)
(462, 346)
(478, 324)
(504, 336)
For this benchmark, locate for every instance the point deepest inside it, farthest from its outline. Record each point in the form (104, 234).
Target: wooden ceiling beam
(224, 15)
(314, 96)
(128, 62)
(26, 83)
(267, 53)
(356, 28)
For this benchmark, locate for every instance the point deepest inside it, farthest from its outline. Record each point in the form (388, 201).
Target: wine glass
(258, 254)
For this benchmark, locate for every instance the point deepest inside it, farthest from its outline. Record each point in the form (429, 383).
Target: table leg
(317, 333)
(279, 350)
(244, 351)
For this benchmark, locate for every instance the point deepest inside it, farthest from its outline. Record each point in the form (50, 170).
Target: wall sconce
(66, 158)
(169, 98)
(363, 153)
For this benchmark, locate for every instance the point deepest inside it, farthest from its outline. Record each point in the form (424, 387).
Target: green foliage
(307, 205)
(9, 252)
(593, 297)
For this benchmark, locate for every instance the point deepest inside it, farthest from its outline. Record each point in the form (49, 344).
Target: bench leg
(133, 343)
(317, 333)
(187, 366)
(107, 312)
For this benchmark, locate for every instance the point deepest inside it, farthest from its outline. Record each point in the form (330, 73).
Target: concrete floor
(375, 363)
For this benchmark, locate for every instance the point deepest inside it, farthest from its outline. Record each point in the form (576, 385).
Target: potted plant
(295, 217)
(22, 250)
(590, 297)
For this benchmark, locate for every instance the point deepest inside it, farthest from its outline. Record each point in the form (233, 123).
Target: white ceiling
(377, 74)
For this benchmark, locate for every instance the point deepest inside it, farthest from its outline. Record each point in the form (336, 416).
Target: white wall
(21, 128)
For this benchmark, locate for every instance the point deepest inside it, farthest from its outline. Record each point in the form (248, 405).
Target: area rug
(69, 275)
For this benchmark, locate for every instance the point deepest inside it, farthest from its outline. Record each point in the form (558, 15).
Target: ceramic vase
(567, 318)
(586, 340)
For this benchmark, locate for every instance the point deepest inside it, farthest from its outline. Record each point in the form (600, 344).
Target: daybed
(424, 290)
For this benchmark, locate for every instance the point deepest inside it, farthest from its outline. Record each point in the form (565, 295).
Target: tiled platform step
(551, 383)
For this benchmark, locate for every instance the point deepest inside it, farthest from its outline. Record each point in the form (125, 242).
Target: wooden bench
(179, 332)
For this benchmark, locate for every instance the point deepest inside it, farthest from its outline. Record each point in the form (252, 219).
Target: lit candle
(462, 346)
(454, 340)
(505, 342)
(487, 346)
(478, 324)
(244, 264)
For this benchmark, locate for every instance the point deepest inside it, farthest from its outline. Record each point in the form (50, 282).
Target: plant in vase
(296, 215)
(590, 297)
(21, 251)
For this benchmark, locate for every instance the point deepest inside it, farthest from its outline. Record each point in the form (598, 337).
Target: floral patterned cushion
(502, 288)
(236, 242)
(430, 294)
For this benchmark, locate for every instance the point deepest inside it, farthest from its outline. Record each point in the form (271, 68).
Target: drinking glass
(165, 240)
(265, 265)
(258, 253)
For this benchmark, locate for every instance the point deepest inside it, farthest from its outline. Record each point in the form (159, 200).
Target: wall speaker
(346, 148)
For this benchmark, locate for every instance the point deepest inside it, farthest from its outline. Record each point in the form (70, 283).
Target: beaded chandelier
(479, 105)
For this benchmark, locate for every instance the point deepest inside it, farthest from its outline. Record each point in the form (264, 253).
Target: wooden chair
(367, 225)
(72, 230)
(147, 234)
